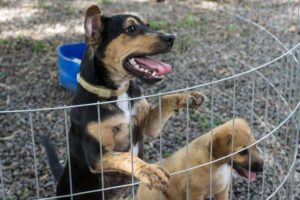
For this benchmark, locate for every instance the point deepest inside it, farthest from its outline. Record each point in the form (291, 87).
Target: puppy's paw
(154, 176)
(195, 99)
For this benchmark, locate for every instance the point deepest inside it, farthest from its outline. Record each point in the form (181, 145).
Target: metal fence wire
(261, 88)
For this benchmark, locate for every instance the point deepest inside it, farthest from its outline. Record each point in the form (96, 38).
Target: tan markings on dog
(150, 174)
(123, 46)
(114, 133)
(199, 153)
(144, 20)
(170, 103)
(237, 132)
(140, 110)
(130, 21)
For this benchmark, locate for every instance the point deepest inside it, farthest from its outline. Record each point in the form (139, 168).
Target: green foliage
(158, 25)
(231, 29)
(39, 46)
(166, 154)
(4, 41)
(104, 1)
(190, 19)
(10, 197)
(40, 4)
(204, 122)
(69, 10)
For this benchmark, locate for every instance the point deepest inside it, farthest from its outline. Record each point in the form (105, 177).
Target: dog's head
(122, 43)
(239, 134)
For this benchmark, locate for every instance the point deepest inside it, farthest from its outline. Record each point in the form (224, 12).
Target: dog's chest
(123, 104)
(222, 178)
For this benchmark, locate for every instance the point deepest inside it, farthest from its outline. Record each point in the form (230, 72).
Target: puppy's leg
(170, 103)
(151, 174)
(223, 195)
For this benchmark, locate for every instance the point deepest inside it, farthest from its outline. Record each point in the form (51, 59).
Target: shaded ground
(210, 45)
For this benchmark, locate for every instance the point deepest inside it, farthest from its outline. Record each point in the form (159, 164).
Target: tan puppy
(199, 153)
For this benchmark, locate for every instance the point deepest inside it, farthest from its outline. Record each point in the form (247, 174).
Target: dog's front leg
(155, 120)
(151, 174)
(114, 132)
(223, 195)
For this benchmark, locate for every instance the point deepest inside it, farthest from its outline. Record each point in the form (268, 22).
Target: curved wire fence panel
(257, 77)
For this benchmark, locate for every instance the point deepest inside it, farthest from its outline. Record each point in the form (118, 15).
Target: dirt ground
(214, 40)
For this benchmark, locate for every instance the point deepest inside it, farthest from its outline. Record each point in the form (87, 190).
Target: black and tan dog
(199, 150)
(117, 52)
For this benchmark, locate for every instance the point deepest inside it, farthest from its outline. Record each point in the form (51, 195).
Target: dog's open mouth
(146, 68)
(244, 172)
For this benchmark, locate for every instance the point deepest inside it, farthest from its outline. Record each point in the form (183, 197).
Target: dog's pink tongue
(250, 175)
(161, 68)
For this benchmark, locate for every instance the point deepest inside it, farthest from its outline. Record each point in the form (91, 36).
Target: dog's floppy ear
(93, 25)
(221, 144)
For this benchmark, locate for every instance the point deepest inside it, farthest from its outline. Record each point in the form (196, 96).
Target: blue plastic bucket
(69, 59)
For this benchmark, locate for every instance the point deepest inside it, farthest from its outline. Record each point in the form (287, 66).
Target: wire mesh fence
(262, 87)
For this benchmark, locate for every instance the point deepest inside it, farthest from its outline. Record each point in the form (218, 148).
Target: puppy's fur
(112, 43)
(199, 153)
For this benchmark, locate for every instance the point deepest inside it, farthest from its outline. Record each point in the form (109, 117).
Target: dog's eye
(244, 152)
(131, 29)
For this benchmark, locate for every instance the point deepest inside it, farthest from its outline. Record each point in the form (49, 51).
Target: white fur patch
(124, 105)
(223, 175)
(136, 149)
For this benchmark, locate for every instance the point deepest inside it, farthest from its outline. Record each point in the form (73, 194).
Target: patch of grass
(10, 197)
(184, 43)
(104, 1)
(69, 10)
(190, 19)
(158, 25)
(39, 46)
(204, 122)
(166, 154)
(25, 193)
(40, 4)
(4, 41)
(231, 30)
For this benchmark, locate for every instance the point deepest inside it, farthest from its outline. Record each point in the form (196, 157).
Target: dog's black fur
(84, 149)
(96, 68)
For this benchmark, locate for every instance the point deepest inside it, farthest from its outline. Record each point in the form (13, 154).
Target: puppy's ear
(221, 144)
(93, 25)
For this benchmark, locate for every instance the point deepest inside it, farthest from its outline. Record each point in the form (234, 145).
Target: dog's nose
(169, 39)
(257, 166)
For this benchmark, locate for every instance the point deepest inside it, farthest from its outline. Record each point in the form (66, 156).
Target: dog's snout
(169, 39)
(257, 166)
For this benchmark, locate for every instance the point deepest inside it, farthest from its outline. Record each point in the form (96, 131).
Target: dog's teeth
(154, 73)
(132, 61)
(136, 66)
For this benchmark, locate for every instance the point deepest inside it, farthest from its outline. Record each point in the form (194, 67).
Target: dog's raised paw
(195, 99)
(154, 176)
